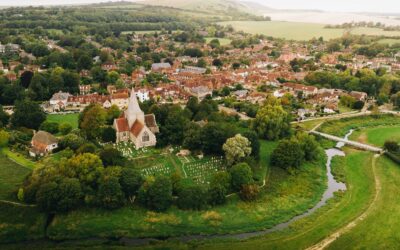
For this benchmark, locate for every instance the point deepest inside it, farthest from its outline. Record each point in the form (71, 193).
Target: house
(59, 101)
(85, 89)
(143, 95)
(200, 92)
(42, 144)
(120, 99)
(359, 96)
(300, 88)
(2, 48)
(193, 69)
(160, 66)
(135, 126)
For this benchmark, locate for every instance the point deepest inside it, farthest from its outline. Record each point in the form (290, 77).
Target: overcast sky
(391, 6)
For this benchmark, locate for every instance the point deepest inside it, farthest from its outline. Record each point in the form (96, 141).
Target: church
(135, 126)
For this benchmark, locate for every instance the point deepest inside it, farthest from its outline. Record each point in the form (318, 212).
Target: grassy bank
(380, 229)
(342, 126)
(283, 197)
(377, 135)
(11, 177)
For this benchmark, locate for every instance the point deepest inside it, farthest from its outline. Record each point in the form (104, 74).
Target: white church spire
(134, 112)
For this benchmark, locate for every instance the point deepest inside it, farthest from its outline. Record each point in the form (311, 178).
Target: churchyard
(153, 161)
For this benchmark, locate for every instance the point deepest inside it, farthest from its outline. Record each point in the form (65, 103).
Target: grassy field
(72, 119)
(380, 229)
(300, 31)
(377, 135)
(222, 41)
(283, 197)
(17, 223)
(389, 41)
(11, 177)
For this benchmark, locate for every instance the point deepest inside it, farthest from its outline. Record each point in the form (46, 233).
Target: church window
(145, 137)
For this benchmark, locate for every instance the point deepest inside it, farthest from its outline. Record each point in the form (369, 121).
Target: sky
(389, 6)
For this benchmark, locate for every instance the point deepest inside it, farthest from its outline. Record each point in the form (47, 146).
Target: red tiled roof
(122, 124)
(136, 128)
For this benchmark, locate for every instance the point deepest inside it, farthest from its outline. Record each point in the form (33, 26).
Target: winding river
(333, 186)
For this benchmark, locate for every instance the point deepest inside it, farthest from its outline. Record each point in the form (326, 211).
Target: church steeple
(134, 112)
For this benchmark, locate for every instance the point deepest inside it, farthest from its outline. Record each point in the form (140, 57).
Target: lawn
(222, 41)
(300, 31)
(377, 135)
(72, 119)
(283, 197)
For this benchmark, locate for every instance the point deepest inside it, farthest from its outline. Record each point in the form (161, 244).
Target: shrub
(64, 128)
(249, 192)
(241, 174)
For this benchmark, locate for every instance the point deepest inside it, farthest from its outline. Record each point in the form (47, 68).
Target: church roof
(150, 120)
(136, 128)
(122, 124)
(133, 106)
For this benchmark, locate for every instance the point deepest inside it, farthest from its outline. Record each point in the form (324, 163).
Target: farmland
(301, 31)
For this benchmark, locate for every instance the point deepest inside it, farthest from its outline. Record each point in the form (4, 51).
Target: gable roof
(121, 124)
(43, 137)
(150, 120)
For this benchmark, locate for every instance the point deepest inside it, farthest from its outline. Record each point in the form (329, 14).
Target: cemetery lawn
(283, 197)
(72, 119)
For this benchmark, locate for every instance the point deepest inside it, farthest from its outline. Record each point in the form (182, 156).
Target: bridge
(348, 142)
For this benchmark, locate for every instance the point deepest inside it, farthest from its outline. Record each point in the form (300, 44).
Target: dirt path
(331, 238)
(17, 203)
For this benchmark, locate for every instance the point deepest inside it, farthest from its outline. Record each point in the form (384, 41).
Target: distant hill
(203, 5)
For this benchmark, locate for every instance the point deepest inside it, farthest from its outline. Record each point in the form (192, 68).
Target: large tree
(27, 114)
(236, 149)
(241, 174)
(272, 121)
(156, 194)
(92, 119)
(288, 154)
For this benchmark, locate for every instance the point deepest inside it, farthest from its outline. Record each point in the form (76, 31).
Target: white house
(42, 144)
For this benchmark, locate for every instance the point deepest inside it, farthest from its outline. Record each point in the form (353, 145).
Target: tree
(111, 157)
(309, 145)
(214, 43)
(59, 196)
(27, 114)
(92, 119)
(254, 142)
(389, 145)
(84, 62)
(26, 78)
(108, 134)
(71, 141)
(51, 127)
(110, 194)
(214, 135)
(4, 138)
(86, 148)
(156, 194)
(64, 128)
(241, 174)
(4, 117)
(192, 137)
(219, 187)
(358, 105)
(217, 63)
(85, 167)
(236, 149)
(192, 197)
(249, 192)
(131, 180)
(272, 121)
(288, 154)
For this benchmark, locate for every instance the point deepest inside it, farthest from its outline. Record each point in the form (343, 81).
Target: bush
(249, 192)
(288, 154)
(390, 146)
(64, 128)
(156, 194)
(87, 148)
(131, 180)
(111, 157)
(108, 134)
(51, 127)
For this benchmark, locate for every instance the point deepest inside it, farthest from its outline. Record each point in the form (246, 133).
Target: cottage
(120, 99)
(42, 144)
(135, 126)
(160, 66)
(360, 96)
(59, 101)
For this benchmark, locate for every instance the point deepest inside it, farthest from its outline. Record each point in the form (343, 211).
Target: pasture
(222, 41)
(301, 31)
